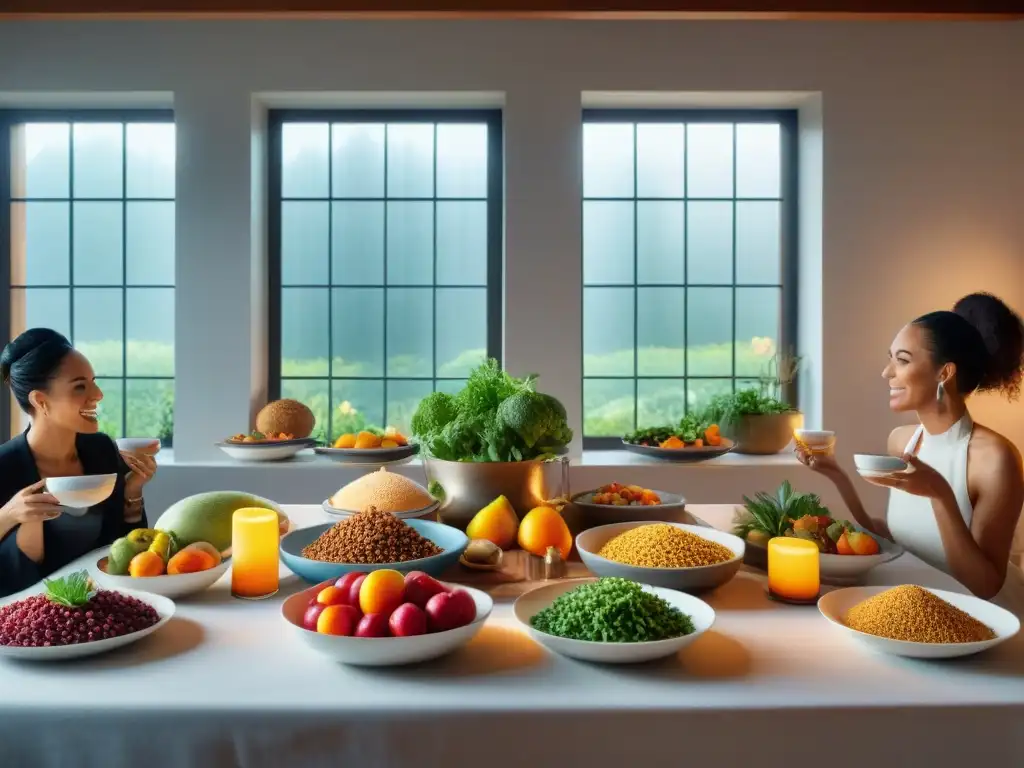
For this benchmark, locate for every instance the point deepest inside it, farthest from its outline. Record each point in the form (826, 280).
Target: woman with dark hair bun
(958, 504)
(55, 385)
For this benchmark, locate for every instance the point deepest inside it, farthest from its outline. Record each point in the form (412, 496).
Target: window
(89, 199)
(687, 260)
(385, 259)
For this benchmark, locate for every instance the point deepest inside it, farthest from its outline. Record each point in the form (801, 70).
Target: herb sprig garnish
(71, 591)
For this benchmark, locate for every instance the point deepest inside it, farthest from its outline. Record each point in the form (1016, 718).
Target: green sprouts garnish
(71, 591)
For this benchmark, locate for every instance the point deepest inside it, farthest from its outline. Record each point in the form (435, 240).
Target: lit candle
(793, 569)
(254, 553)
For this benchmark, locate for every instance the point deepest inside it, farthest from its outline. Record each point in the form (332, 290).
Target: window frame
(788, 121)
(9, 118)
(276, 119)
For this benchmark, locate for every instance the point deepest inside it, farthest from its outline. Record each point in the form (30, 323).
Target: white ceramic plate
(383, 651)
(264, 451)
(589, 543)
(173, 586)
(835, 605)
(164, 608)
(534, 601)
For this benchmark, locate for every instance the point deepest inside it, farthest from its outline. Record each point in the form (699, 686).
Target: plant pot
(470, 486)
(764, 435)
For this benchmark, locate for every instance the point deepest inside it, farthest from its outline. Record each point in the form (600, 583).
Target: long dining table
(225, 684)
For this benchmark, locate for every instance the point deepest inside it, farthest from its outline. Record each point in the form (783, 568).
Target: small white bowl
(534, 601)
(874, 464)
(81, 492)
(270, 451)
(172, 586)
(815, 438)
(146, 445)
(383, 651)
(836, 605)
(589, 543)
(163, 606)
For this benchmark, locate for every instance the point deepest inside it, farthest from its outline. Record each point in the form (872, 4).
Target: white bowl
(164, 608)
(81, 492)
(147, 445)
(173, 586)
(427, 513)
(815, 438)
(263, 451)
(869, 463)
(835, 605)
(383, 651)
(534, 601)
(848, 569)
(589, 543)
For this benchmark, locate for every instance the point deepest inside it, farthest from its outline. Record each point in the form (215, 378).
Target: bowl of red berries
(386, 618)
(70, 617)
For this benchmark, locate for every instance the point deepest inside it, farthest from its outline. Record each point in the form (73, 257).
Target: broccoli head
(433, 414)
(538, 419)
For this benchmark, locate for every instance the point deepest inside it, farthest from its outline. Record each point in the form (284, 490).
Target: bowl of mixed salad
(846, 551)
(694, 438)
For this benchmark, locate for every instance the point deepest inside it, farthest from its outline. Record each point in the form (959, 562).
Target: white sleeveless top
(911, 519)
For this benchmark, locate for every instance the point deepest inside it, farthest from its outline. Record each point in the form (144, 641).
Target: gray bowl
(589, 543)
(671, 510)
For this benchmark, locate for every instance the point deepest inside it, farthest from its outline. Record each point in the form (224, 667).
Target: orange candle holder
(793, 570)
(255, 561)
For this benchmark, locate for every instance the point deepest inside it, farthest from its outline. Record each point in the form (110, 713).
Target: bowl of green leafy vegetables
(612, 620)
(497, 436)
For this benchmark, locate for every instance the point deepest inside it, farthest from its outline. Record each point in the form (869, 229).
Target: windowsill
(309, 461)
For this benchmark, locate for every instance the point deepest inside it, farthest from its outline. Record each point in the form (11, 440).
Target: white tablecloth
(224, 684)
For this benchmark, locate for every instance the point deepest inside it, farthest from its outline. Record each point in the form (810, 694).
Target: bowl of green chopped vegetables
(612, 620)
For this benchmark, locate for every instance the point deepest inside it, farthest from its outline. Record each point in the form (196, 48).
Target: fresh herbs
(772, 515)
(71, 591)
(612, 610)
(496, 417)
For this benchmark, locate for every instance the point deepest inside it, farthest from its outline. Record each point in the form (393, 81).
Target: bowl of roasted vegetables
(847, 552)
(692, 439)
(620, 503)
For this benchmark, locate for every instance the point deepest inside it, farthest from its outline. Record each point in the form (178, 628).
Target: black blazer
(65, 538)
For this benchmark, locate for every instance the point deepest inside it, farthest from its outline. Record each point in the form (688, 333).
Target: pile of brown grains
(372, 537)
(664, 546)
(917, 615)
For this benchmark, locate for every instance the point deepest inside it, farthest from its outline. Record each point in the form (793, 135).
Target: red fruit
(355, 585)
(309, 618)
(408, 620)
(450, 610)
(345, 583)
(373, 625)
(338, 620)
(420, 587)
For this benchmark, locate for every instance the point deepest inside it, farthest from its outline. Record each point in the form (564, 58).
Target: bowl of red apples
(386, 618)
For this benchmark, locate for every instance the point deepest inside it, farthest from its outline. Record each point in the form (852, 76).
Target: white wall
(921, 200)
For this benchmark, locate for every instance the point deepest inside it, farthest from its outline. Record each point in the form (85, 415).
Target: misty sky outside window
(92, 256)
(384, 248)
(679, 220)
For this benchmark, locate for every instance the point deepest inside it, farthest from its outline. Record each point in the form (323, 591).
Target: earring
(940, 392)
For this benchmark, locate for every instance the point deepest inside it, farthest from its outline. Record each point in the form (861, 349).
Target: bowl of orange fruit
(170, 572)
(371, 446)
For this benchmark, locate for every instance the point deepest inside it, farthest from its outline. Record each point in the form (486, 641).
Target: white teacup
(815, 440)
(147, 445)
(78, 493)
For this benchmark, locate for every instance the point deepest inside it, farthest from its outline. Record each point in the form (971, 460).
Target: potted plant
(499, 436)
(758, 419)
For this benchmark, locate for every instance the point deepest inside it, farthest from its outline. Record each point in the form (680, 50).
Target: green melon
(207, 516)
